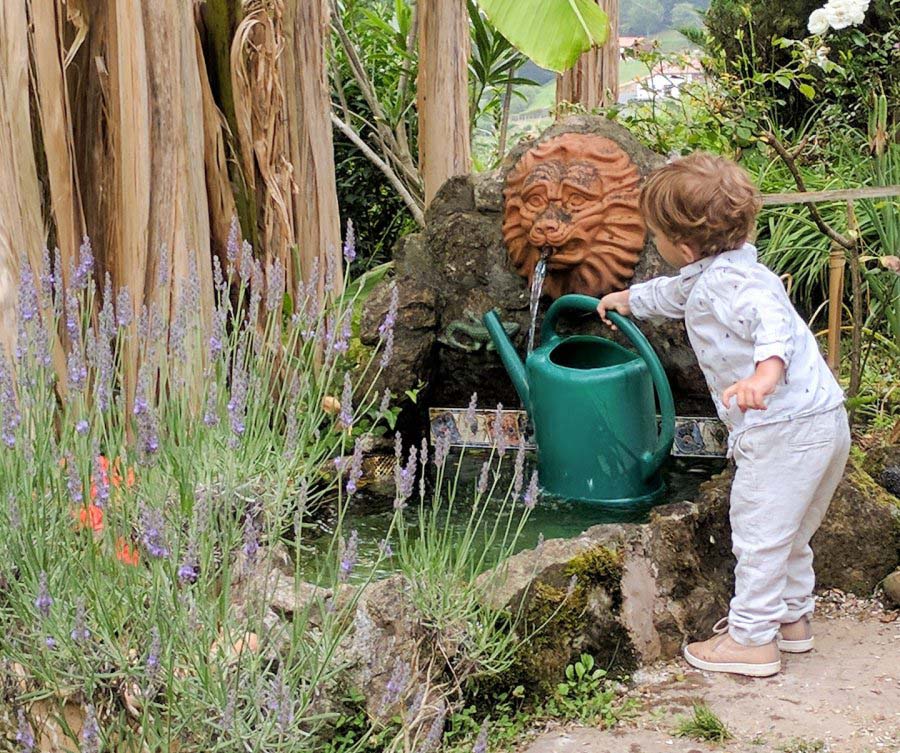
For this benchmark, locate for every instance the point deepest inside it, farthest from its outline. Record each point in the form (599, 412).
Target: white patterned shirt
(737, 313)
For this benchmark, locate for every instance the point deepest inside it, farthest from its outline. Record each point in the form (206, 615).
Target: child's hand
(613, 302)
(752, 391)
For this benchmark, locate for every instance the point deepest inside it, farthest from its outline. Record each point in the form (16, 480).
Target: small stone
(891, 586)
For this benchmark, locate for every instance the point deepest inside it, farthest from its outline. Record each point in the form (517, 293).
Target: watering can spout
(511, 361)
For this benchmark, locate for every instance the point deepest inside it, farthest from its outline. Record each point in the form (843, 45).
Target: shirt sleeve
(756, 312)
(661, 297)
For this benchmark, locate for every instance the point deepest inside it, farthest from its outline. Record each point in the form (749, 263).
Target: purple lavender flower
(28, 298)
(13, 515)
(187, 572)
(275, 287)
(278, 701)
(540, 542)
(141, 404)
(124, 309)
(483, 478)
(349, 555)
(470, 421)
(342, 341)
(423, 452)
(346, 415)
(50, 642)
(153, 533)
(257, 287)
(570, 589)
(441, 449)
(533, 493)
(217, 334)
(436, 731)
(415, 706)
(329, 271)
(153, 662)
(101, 481)
(82, 427)
(239, 386)
(148, 436)
(74, 483)
(246, 262)
(385, 403)
(58, 287)
(499, 434)
(350, 243)
(355, 473)
(482, 740)
(77, 368)
(81, 275)
(80, 631)
(24, 733)
(386, 330)
(396, 685)
(46, 279)
(44, 600)
(404, 480)
(107, 318)
(232, 247)
(384, 547)
(251, 539)
(10, 418)
(211, 414)
(519, 476)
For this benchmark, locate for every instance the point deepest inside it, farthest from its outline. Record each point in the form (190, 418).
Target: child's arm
(661, 297)
(752, 391)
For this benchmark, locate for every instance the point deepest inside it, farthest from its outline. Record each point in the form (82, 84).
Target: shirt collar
(742, 256)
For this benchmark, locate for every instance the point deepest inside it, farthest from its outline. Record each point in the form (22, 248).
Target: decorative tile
(695, 436)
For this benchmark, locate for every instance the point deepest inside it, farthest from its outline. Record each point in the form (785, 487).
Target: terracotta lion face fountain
(575, 197)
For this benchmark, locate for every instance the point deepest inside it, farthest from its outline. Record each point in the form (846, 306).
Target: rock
(891, 586)
(883, 464)
(642, 591)
(414, 332)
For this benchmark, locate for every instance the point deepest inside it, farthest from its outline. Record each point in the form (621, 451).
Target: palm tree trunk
(444, 137)
(593, 81)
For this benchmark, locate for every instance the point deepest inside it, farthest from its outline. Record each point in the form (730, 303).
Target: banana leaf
(553, 33)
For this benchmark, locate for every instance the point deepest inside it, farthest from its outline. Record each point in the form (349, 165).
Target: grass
(703, 724)
(799, 745)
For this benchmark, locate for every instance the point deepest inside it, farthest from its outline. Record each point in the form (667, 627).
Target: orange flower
(126, 552)
(91, 517)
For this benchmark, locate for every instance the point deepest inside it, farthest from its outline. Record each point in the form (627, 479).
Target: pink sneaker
(723, 654)
(796, 637)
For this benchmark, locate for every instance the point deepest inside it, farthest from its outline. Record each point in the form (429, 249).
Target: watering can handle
(652, 461)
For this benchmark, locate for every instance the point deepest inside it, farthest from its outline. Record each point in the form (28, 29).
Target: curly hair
(703, 200)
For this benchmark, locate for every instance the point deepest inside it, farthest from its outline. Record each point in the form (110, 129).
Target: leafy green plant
(586, 694)
(703, 724)
(800, 745)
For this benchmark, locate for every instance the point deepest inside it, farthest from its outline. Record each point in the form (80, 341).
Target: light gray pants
(786, 476)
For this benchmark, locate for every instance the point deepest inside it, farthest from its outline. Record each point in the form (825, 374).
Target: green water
(371, 511)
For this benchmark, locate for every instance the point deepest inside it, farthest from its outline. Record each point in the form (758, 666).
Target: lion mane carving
(575, 197)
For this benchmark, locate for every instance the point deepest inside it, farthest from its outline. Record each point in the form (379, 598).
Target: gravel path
(844, 697)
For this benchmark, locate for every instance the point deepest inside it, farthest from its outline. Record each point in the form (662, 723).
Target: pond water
(371, 511)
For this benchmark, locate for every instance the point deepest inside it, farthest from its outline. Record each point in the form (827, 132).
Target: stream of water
(537, 286)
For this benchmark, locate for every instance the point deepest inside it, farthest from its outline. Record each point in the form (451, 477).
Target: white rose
(818, 22)
(844, 13)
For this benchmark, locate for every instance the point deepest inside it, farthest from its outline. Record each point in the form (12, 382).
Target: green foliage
(553, 35)
(703, 724)
(800, 745)
(585, 694)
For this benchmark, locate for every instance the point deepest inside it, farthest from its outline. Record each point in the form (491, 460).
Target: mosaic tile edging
(695, 436)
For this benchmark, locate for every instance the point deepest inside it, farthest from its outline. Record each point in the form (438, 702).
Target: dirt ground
(843, 697)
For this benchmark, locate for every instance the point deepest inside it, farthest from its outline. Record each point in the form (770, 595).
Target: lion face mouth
(540, 236)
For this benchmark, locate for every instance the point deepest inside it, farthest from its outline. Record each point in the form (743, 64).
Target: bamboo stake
(836, 264)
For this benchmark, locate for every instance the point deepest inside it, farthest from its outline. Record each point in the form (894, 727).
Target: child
(788, 430)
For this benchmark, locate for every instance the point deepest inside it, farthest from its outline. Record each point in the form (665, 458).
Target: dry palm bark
(21, 224)
(594, 80)
(443, 98)
(282, 108)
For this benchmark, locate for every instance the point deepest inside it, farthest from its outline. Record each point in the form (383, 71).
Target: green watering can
(592, 406)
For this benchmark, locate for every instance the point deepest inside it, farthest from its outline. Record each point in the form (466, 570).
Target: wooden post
(593, 81)
(443, 92)
(836, 264)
